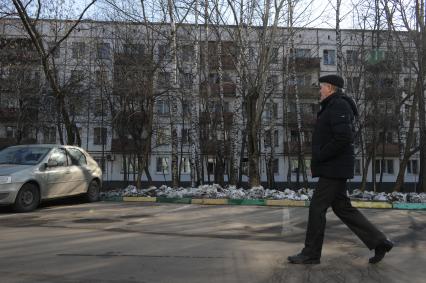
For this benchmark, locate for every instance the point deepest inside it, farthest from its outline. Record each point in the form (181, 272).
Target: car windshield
(30, 155)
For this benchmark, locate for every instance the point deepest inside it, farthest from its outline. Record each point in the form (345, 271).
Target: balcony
(206, 118)
(381, 120)
(306, 63)
(390, 149)
(9, 114)
(380, 61)
(212, 147)
(124, 59)
(229, 89)
(308, 92)
(307, 119)
(227, 58)
(18, 50)
(380, 93)
(293, 146)
(123, 146)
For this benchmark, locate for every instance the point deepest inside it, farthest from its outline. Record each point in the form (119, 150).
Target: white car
(30, 174)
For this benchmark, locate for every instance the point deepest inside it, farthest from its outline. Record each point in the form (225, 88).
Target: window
(163, 79)
(99, 107)
(77, 50)
(416, 139)
(77, 130)
(186, 107)
(185, 136)
(10, 131)
(101, 77)
(187, 53)
(294, 163)
(295, 167)
(407, 111)
(162, 166)
(131, 164)
(30, 133)
(352, 84)
(274, 55)
(272, 82)
(309, 108)
(376, 55)
(100, 136)
(357, 168)
(163, 52)
(329, 57)
(267, 138)
(55, 53)
(210, 166)
(351, 57)
(408, 58)
(77, 76)
(271, 111)
(308, 136)
(303, 80)
(103, 50)
(133, 49)
(185, 165)
(226, 106)
(186, 80)
(386, 136)
(413, 166)
(251, 54)
(163, 136)
(213, 78)
(162, 107)
(294, 135)
(276, 165)
(220, 135)
(49, 135)
(77, 157)
(385, 166)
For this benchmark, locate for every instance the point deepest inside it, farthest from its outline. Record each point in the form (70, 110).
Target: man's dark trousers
(332, 192)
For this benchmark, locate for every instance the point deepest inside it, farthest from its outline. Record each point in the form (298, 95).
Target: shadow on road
(48, 204)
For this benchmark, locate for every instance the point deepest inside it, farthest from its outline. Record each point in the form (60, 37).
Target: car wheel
(92, 194)
(28, 198)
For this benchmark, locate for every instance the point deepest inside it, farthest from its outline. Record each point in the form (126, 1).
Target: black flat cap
(332, 79)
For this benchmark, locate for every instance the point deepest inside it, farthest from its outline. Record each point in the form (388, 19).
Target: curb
(410, 206)
(264, 202)
(371, 204)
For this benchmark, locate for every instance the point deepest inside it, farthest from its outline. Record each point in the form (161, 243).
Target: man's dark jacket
(333, 137)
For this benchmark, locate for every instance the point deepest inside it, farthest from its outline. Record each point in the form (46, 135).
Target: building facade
(111, 69)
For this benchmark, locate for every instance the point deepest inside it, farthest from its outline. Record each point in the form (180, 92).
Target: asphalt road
(140, 242)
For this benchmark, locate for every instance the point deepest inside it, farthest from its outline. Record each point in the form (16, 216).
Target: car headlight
(5, 179)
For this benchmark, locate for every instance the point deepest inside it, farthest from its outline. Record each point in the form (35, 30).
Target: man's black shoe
(303, 259)
(380, 251)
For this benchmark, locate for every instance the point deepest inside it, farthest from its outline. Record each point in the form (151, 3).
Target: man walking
(333, 162)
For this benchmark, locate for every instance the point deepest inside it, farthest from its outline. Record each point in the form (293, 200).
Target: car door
(78, 170)
(59, 180)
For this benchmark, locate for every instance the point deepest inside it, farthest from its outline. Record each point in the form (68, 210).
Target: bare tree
(32, 26)
(397, 17)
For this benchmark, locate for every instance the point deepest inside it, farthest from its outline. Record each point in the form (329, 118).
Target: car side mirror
(52, 163)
